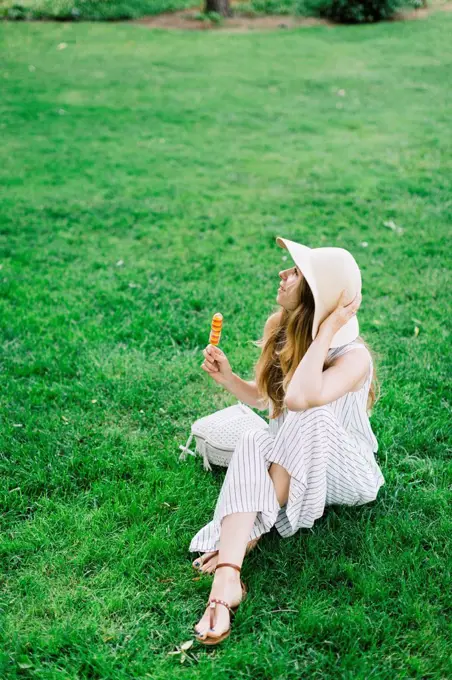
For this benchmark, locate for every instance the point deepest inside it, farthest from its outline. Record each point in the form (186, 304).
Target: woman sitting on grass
(316, 376)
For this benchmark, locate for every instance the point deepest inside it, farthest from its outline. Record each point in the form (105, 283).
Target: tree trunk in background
(219, 6)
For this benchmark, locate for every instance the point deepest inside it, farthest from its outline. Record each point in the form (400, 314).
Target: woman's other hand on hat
(216, 364)
(342, 314)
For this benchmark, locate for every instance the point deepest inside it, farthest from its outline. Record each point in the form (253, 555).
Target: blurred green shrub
(93, 10)
(272, 6)
(343, 11)
(350, 11)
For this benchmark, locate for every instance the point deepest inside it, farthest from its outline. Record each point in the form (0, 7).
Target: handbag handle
(186, 450)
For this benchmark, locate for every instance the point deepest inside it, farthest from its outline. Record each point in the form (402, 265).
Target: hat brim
(301, 255)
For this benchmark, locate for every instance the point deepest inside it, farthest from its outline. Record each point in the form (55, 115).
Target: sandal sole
(214, 641)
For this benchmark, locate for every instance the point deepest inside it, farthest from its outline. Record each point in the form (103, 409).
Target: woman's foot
(226, 586)
(207, 563)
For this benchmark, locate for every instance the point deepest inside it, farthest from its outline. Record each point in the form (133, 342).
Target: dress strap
(339, 351)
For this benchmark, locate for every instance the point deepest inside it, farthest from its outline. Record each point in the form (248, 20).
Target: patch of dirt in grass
(188, 20)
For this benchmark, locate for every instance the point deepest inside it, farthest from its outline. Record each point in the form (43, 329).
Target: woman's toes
(201, 631)
(209, 568)
(209, 563)
(221, 623)
(202, 626)
(199, 562)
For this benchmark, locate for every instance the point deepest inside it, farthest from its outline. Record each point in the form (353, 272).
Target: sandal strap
(214, 554)
(228, 564)
(212, 605)
(215, 600)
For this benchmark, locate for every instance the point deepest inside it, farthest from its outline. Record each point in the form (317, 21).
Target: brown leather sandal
(212, 606)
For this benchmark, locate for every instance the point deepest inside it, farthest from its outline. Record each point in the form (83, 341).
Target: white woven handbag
(217, 434)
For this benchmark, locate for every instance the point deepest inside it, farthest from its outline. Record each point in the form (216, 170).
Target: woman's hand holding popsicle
(216, 364)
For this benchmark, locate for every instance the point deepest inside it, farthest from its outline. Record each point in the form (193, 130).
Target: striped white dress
(329, 452)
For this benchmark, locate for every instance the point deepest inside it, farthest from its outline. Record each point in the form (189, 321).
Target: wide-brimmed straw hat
(328, 272)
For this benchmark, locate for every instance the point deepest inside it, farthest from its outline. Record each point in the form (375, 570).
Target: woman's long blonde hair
(283, 347)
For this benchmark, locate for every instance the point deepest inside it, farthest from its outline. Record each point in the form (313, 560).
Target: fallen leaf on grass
(393, 226)
(24, 665)
(106, 638)
(182, 650)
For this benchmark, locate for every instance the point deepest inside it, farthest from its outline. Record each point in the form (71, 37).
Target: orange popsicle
(215, 330)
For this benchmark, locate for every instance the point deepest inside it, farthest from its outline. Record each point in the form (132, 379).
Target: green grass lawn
(146, 177)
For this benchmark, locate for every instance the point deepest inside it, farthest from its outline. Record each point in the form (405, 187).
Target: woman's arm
(311, 385)
(245, 391)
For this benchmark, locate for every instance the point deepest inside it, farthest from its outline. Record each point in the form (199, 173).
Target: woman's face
(288, 290)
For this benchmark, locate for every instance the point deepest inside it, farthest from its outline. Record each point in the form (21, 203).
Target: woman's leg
(207, 562)
(234, 536)
(281, 482)
(235, 532)
(247, 487)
